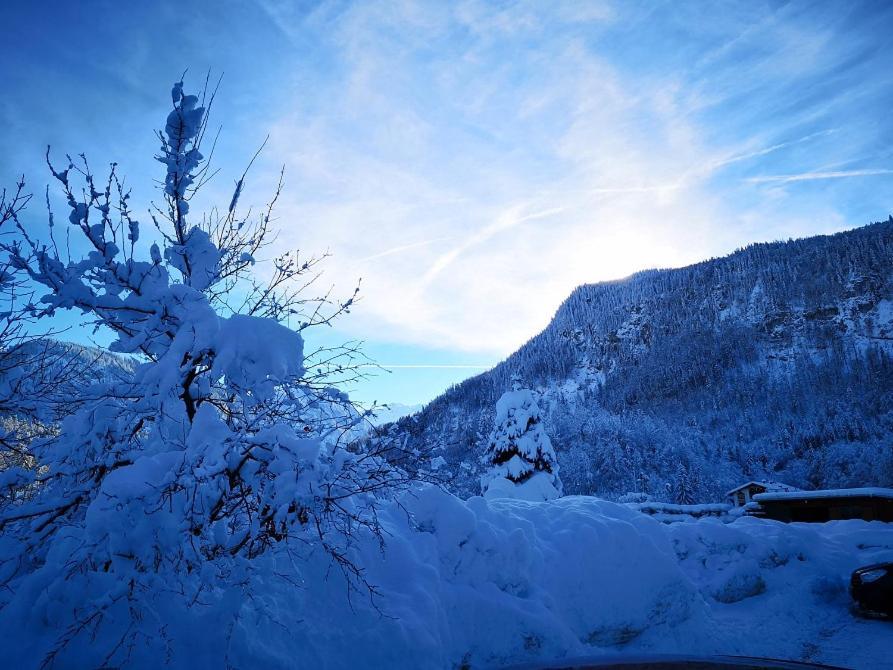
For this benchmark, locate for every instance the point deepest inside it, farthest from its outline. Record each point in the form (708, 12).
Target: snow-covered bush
(474, 584)
(223, 447)
(521, 460)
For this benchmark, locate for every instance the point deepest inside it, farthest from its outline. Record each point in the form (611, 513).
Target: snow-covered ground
(488, 583)
(781, 590)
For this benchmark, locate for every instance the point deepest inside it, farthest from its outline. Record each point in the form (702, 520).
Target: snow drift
(487, 583)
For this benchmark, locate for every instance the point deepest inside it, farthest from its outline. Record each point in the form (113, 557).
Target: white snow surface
(539, 487)
(494, 582)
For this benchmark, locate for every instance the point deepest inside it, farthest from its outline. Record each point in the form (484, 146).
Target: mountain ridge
(642, 377)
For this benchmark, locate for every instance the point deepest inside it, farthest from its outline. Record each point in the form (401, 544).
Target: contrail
(507, 220)
(422, 366)
(809, 176)
(401, 248)
(770, 149)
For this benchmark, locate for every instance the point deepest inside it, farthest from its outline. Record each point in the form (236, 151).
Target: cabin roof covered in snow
(769, 486)
(871, 492)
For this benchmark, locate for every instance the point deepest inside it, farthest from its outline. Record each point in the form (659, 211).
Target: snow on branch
(227, 443)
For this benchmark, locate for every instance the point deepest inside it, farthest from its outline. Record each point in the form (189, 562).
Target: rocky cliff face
(772, 362)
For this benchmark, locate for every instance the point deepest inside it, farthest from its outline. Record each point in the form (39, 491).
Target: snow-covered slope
(94, 362)
(773, 362)
(46, 372)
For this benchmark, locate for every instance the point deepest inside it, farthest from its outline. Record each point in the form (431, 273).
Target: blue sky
(474, 161)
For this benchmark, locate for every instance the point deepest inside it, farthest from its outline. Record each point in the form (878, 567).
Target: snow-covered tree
(520, 459)
(687, 485)
(13, 439)
(38, 377)
(223, 447)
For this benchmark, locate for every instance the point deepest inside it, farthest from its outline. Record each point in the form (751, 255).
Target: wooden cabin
(870, 504)
(742, 495)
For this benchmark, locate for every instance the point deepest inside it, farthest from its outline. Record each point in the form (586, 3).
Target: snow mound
(539, 487)
(479, 582)
(488, 583)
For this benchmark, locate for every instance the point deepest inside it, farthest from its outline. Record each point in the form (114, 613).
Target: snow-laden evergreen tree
(685, 485)
(522, 463)
(219, 462)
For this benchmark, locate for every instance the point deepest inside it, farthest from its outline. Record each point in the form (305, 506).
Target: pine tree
(522, 463)
(683, 493)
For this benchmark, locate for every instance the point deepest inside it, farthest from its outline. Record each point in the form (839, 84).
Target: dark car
(872, 588)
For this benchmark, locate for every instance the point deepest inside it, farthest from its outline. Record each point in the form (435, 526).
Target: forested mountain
(773, 362)
(43, 373)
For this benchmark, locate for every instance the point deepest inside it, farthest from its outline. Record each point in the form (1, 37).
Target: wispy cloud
(475, 161)
(765, 151)
(500, 156)
(812, 176)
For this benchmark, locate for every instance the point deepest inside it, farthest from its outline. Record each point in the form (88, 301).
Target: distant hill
(97, 363)
(68, 366)
(771, 363)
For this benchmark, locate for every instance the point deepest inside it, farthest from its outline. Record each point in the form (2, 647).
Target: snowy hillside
(773, 362)
(73, 368)
(95, 362)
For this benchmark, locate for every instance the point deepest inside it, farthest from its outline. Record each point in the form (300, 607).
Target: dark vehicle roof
(671, 662)
(874, 566)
